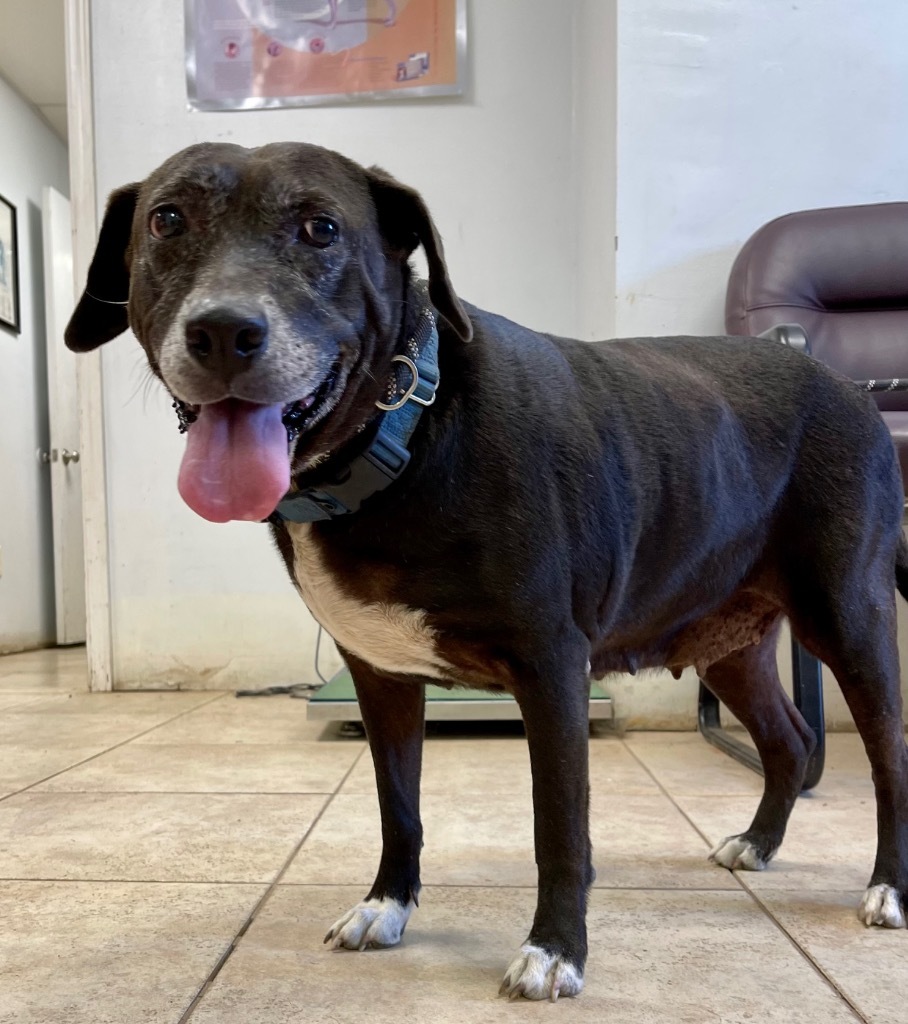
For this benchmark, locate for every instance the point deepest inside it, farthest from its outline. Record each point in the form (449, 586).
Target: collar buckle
(379, 466)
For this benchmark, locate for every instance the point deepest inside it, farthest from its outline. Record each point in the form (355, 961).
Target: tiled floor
(178, 857)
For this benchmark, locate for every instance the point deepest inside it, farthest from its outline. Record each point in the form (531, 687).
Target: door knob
(69, 456)
(44, 456)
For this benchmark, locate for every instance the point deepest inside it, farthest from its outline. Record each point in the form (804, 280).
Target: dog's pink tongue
(236, 464)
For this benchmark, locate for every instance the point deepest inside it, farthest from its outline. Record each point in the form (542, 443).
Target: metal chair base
(807, 694)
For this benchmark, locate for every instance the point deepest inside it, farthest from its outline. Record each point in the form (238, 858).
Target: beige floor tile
(111, 953)
(684, 762)
(163, 705)
(54, 730)
(239, 768)
(99, 720)
(467, 843)
(867, 964)
(55, 668)
(18, 700)
(248, 720)
(22, 765)
(830, 844)
(847, 771)
(180, 804)
(152, 837)
(42, 682)
(656, 958)
(831, 840)
(486, 840)
(647, 842)
(462, 766)
(615, 770)
(47, 659)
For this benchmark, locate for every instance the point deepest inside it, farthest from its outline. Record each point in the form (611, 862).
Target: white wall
(595, 164)
(730, 114)
(198, 604)
(32, 156)
(726, 115)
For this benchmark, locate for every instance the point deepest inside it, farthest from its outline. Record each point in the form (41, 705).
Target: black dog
(567, 508)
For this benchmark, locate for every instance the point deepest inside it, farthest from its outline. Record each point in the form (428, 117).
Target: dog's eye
(320, 231)
(166, 222)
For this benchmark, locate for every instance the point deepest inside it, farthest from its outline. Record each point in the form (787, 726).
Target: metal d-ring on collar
(410, 392)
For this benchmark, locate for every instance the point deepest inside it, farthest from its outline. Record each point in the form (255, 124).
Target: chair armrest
(792, 335)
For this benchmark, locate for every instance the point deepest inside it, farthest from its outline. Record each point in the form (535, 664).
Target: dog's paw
(377, 923)
(536, 974)
(739, 854)
(882, 905)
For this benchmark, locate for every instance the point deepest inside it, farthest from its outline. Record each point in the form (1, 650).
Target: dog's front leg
(394, 716)
(555, 709)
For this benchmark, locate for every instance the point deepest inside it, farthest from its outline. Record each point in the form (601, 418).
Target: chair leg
(807, 695)
(710, 725)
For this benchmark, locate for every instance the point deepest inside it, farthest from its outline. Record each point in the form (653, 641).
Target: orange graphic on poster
(254, 53)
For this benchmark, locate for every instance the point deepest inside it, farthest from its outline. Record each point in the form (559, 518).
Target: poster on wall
(247, 54)
(9, 267)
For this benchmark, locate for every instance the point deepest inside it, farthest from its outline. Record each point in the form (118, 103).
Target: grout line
(262, 901)
(107, 750)
(750, 892)
(668, 796)
(258, 883)
(176, 792)
(217, 883)
(531, 887)
(814, 963)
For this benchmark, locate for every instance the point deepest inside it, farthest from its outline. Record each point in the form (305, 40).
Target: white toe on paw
(376, 923)
(882, 905)
(536, 974)
(737, 854)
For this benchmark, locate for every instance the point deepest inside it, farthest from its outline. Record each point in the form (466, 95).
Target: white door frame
(83, 193)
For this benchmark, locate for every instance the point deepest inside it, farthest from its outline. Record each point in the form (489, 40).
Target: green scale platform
(336, 702)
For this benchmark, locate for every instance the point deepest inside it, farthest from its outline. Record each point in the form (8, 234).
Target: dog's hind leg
(856, 637)
(394, 717)
(747, 683)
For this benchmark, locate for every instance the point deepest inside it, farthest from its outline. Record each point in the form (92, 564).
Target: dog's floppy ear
(101, 312)
(405, 222)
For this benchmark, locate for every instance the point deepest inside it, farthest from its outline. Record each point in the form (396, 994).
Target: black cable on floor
(300, 690)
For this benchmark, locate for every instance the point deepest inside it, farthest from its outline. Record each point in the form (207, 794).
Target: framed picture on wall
(9, 267)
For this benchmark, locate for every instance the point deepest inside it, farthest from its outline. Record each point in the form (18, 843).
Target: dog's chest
(390, 637)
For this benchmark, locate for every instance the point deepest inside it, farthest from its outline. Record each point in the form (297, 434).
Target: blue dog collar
(411, 388)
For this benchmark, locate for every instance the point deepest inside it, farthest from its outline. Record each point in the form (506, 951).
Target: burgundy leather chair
(833, 282)
(840, 274)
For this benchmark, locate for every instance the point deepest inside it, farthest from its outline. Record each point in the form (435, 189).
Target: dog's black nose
(227, 339)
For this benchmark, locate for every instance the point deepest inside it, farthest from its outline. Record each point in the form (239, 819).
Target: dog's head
(263, 284)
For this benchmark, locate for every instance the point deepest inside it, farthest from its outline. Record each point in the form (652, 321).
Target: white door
(63, 457)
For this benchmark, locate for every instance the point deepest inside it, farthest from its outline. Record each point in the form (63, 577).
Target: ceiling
(33, 55)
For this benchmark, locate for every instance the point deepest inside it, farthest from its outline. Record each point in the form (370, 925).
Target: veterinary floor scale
(336, 701)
